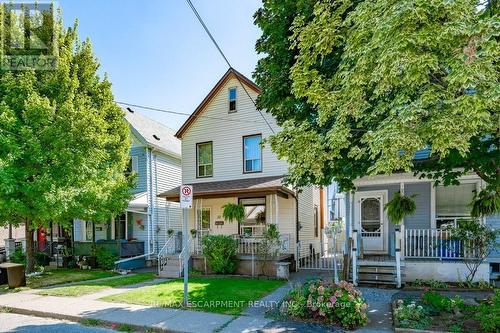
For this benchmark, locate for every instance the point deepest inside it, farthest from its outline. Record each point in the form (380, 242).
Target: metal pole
(186, 253)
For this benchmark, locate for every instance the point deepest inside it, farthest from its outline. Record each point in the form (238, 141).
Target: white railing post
(403, 240)
(354, 257)
(398, 257)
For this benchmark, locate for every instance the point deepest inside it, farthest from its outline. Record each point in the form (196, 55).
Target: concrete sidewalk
(77, 308)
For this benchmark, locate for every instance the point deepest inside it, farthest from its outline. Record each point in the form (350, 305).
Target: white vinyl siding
(226, 137)
(308, 198)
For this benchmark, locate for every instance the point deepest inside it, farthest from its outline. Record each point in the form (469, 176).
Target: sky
(157, 54)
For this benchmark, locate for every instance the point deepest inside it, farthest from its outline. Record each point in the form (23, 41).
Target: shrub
(105, 259)
(441, 303)
(18, 257)
(411, 315)
(488, 314)
(42, 259)
(327, 302)
(220, 252)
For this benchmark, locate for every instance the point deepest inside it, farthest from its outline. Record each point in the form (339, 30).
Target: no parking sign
(186, 196)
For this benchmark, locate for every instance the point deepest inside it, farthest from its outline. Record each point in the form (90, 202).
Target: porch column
(276, 208)
(401, 246)
(10, 247)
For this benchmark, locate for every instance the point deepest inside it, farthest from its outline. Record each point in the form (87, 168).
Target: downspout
(148, 190)
(155, 201)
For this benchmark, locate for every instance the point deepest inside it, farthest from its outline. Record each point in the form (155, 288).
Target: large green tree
(369, 83)
(63, 142)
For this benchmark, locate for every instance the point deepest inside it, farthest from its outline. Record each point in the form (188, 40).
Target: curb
(77, 319)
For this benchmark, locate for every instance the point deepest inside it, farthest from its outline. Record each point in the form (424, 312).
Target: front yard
(90, 287)
(56, 276)
(218, 294)
(436, 312)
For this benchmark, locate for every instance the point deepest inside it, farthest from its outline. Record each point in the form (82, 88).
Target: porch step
(378, 273)
(172, 268)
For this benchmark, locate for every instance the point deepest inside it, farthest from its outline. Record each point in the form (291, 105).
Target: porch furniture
(15, 274)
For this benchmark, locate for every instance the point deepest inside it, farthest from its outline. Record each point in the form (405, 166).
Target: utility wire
(200, 19)
(187, 114)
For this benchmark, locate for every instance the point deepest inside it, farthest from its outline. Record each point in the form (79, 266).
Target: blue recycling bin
(449, 248)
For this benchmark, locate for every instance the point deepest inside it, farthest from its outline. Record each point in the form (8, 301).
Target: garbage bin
(15, 274)
(3, 276)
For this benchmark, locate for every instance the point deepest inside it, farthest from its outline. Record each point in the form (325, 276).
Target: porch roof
(236, 187)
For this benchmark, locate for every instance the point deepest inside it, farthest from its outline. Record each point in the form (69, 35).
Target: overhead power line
(200, 19)
(150, 108)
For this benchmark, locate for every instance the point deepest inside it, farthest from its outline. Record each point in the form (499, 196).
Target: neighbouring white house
(141, 230)
(222, 158)
(422, 248)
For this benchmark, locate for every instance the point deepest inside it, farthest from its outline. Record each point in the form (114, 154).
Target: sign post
(186, 201)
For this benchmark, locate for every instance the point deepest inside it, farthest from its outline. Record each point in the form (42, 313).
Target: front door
(371, 222)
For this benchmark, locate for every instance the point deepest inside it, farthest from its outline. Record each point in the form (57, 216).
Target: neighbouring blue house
(421, 248)
(141, 230)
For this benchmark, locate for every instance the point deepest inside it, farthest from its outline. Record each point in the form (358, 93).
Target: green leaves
(372, 82)
(399, 207)
(232, 212)
(64, 143)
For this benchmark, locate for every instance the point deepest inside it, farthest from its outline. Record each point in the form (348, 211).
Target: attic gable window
(232, 99)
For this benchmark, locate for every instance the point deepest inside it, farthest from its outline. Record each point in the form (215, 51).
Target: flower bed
(434, 312)
(327, 303)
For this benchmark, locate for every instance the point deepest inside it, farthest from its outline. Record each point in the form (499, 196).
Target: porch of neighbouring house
(419, 248)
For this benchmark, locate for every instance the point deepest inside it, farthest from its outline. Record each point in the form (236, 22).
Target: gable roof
(231, 72)
(152, 133)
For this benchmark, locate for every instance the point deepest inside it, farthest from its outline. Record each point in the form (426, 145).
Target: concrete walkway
(253, 319)
(138, 316)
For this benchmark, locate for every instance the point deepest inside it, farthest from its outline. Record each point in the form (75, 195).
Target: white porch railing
(434, 243)
(250, 245)
(165, 251)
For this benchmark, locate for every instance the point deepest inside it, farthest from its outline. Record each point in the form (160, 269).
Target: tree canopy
(64, 143)
(366, 84)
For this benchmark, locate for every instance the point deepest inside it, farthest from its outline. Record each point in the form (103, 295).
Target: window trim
(229, 100)
(243, 154)
(197, 161)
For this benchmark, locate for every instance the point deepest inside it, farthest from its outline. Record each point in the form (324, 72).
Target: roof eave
(211, 94)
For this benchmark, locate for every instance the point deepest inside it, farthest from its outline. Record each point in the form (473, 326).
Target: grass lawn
(65, 275)
(90, 287)
(53, 276)
(205, 294)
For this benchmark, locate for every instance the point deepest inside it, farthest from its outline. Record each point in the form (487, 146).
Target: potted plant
(193, 233)
(232, 212)
(399, 207)
(261, 217)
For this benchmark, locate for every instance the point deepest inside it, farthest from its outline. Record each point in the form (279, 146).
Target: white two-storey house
(224, 161)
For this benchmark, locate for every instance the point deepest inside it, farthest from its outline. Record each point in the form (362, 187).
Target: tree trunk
(30, 261)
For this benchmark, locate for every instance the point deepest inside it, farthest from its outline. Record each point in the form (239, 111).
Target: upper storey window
(204, 159)
(252, 153)
(232, 99)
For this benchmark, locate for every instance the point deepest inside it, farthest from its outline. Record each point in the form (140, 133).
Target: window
(121, 227)
(204, 159)
(232, 99)
(453, 203)
(203, 219)
(254, 222)
(252, 153)
(132, 166)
